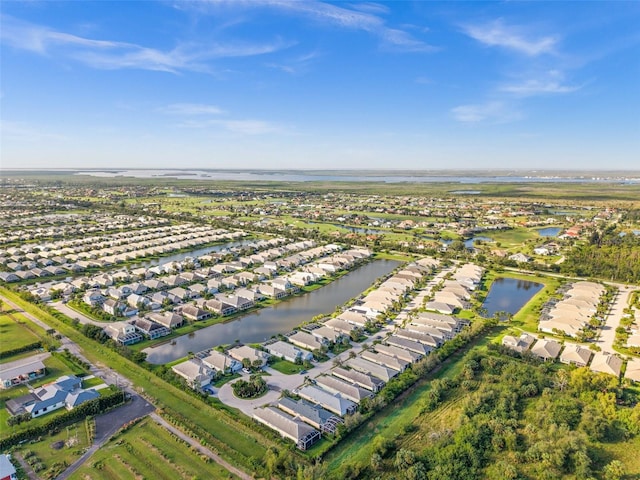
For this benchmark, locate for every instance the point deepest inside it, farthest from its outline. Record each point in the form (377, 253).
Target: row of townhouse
(574, 311)
(105, 257)
(455, 293)
(573, 354)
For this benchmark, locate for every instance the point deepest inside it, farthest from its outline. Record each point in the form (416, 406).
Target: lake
(509, 295)
(260, 325)
(549, 231)
(178, 257)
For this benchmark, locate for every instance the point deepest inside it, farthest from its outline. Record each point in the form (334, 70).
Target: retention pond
(509, 295)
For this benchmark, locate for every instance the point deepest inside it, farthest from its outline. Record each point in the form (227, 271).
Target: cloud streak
(114, 55)
(498, 34)
(364, 19)
(493, 111)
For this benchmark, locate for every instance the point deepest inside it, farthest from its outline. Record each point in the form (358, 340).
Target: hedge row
(24, 348)
(92, 407)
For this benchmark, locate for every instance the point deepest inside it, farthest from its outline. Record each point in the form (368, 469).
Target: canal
(509, 295)
(260, 325)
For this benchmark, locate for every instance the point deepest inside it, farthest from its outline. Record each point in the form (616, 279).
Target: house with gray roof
(364, 380)
(397, 352)
(194, 372)
(288, 351)
(22, 370)
(66, 392)
(606, 363)
(303, 435)
(546, 349)
(222, 363)
(370, 368)
(575, 355)
(345, 389)
(408, 344)
(334, 403)
(394, 363)
(314, 415)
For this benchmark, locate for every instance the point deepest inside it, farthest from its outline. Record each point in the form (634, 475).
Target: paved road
(616, 312)
(108, 424)
(216, 458)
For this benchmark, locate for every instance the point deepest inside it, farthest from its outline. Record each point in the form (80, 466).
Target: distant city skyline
(309, 85)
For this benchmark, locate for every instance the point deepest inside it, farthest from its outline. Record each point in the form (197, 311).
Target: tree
(614, 470)
(404, 459)
(376, 461)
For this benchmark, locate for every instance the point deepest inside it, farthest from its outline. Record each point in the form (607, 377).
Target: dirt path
(25, 466)
(216, 458)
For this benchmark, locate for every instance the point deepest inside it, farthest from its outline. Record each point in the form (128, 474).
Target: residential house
(365, 366)
(408, 344)
(65, 392)
(314, 415)
(633, 370)
(123, 333)
(196, 374)
(393, 363)
(334, 403)
(194, 313)
(575, 355)
(22, 370)
(606, 363)
(289, 352)
(519, 344)
(245, 352)
(168, 319)
(221, 363)
(546, 349)
(287, 426)
(363, 380)
(340, 387)
(306, 340)
(150, 329)
(400, 353)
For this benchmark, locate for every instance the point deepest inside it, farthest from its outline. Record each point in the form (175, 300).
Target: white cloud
(191, 109)
(361, 17)
(497, 34)
(538, 87)
(494, 112)
(243, 127)
(113, 55)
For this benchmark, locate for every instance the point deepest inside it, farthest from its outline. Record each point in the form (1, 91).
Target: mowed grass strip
(148, 450)
(14, 332)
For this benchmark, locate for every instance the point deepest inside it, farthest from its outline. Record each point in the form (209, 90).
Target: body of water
(337, 176)
(260, 325)
(178, 257)
(549, 231)
(509, 295)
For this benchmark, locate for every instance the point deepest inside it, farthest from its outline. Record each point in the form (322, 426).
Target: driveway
(277, 382)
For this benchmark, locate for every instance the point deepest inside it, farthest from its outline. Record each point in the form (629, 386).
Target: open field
(51, 454)
(147, 450)
(16, 331)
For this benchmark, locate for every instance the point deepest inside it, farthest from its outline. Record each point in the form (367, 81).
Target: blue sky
(314, 85)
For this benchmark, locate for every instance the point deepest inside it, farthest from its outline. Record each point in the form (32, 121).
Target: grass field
(16, 331)
(148, 451)
(56, 452)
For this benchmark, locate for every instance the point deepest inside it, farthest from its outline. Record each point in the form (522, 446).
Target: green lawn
(16, 331)
(92, 382)
(148, 451)
(286, 367)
